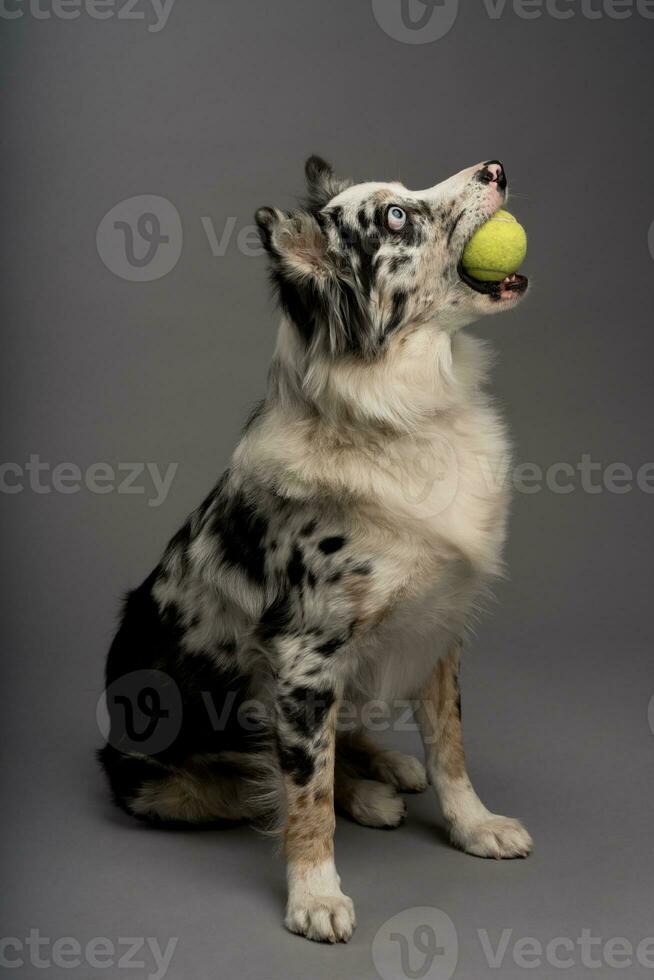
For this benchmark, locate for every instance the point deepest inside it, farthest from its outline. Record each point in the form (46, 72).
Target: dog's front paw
(323, 918)
(493, 837)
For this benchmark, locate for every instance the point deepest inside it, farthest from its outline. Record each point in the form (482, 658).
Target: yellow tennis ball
(496, 249)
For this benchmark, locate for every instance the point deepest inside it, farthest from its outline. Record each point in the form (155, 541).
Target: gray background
(216, 112)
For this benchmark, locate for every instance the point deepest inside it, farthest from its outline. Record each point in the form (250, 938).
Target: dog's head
(362, 263)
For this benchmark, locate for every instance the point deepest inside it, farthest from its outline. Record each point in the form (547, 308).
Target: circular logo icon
(140, 239)
(416, 944)
(141, 712)
(416, 21)
(426, 478)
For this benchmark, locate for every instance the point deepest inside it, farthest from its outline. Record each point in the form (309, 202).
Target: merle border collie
(340, 558)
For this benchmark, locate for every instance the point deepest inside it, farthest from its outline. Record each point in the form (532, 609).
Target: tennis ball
(496, 249)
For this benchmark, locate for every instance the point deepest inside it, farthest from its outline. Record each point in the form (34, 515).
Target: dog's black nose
(493, 173)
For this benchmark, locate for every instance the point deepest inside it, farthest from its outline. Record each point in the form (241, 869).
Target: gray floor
(215, 113)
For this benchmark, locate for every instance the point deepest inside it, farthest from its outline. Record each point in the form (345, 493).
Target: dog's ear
(322, 183)
(295, 243)
(318, 298)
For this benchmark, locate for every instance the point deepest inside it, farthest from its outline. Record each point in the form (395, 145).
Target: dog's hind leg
(473, 828)
(201, 791)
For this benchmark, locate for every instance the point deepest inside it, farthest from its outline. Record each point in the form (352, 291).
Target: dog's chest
(447, 497)
(449, 532)
(393, 660)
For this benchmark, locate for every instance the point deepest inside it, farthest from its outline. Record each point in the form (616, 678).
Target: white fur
(375, 804)
(317, 908)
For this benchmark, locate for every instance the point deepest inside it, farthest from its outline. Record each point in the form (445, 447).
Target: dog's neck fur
(424, 373)
(324, 423)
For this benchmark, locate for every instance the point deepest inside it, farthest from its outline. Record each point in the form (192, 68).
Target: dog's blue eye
(396, 218)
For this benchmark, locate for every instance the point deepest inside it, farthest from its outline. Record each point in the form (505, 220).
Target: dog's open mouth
(504, 289)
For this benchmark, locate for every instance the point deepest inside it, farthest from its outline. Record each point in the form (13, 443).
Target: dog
(341, 557)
